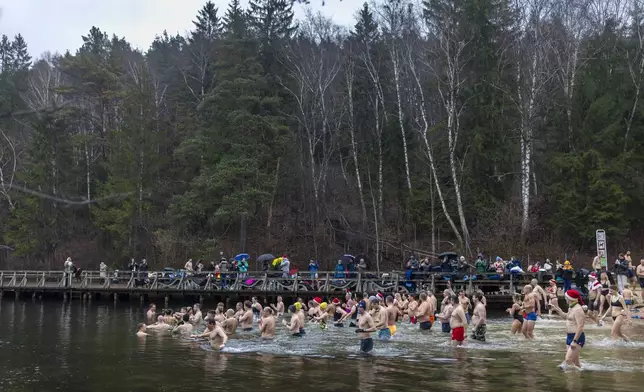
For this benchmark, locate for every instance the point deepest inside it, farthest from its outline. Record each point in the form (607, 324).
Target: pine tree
(235, 21)
(7, 54)
(366, 28)
(208, 24)
(21, 59)
(272, 19)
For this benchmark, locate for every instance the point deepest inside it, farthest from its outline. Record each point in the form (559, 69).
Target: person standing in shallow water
(296, 326)
(529, 304)
(246, 320)
(457, 322)
(575, 318)
(267, 324)
(365, 327)
(479, 318)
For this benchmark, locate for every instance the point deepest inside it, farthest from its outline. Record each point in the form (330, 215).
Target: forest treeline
(504, 126)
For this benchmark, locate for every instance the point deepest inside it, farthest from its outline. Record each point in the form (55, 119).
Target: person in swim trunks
(246, 320)
(529, 304)
(366, 326)
(628, 296)
(423, 313)
(445, 315)
(575, 318)
(412, 308)
(392, 312)
(379, 315)
(640, 273)
(296, 325)
(300, 314)
(464, 301)
(457, 322)
(479, 317)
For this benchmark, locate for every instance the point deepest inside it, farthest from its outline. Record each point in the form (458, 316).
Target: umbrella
(277, 261)
(347, 258)
(265, 257)
(241, 256)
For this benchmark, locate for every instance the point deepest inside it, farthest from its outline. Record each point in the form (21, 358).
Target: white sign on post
(601, 248)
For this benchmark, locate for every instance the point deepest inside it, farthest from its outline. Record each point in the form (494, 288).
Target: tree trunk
(394, 59)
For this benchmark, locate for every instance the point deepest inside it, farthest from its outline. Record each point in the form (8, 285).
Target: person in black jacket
(621, 270)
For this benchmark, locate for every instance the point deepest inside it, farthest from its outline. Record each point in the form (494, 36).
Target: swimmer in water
(529, 304)
(301, 316)
(464, 301)
(433, 306)
(366, 326)
(230, 322)
(324, 315)
(239, 310)
(256, 308)
(169, 318)
(619, 312)
(457, 322)
(185, 328)
(160, 324)
(246, 320)
(392, 312)
(196, 318)
(423, 312)
(217, 336)
(412, 309)
(594, 293)
(210, 315)
(445, 315)
(575, 318)
(141, 330)
(516, 311)
(379, 316)
(479, 318)
(627, 293)
(151, 313)
(337, 312)
(540, 294)
(267, 324)
(296, 325)
(279, 307)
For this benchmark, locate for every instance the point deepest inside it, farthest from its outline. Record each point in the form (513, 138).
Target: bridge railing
(260, 281)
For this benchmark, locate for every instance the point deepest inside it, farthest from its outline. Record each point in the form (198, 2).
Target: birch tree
(393, 15)
(313, 64)
(445, 22)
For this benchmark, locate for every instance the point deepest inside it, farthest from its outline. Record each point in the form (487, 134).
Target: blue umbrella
(347, 258)
(241, 256)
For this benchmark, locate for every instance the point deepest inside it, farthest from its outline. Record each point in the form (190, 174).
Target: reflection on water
(79, 346)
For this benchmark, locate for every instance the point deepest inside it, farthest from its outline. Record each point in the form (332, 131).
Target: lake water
(50, 345)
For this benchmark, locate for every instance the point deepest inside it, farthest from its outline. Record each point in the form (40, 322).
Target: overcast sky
(57, 25)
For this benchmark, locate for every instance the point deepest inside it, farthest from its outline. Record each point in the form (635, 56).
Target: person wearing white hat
(594, 293)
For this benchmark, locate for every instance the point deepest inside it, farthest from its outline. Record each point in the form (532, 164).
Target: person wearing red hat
(594, 293)
(575, 318)
(552, 295)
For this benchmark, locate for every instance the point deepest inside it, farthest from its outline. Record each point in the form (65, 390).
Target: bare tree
(635, 61)
(450, 51)
(8, 164)
(313, 64)
(393, 16)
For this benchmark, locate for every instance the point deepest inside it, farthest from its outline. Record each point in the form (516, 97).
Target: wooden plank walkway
(249, 284)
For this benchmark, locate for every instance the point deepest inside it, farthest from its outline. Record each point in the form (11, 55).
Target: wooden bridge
(237, 285)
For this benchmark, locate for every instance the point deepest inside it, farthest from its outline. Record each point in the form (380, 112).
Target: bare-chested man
(246, 320)
(479, 318)
(279, 307)
(256, 308)
(575, 318)
(267, 324)
(540, 294)
(230, 322)
(151, 314)
(366, 326)
(423, 312)
(220, 317)
(433, 305)
(457, 322)
(529, 304)
(159, 325)
(446, 314)
(379, 316)
(464, 301)
(392, 313)
(296, 325)
(314, 310)
(185, 328)
(301, 316)
(140, 332)
(196, 319)
(239, 310)
(214, 333)
(412, 309)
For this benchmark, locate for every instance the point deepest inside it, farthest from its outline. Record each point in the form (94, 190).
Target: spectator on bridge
(102, 268)
(313, 269)
(567, 275)
(285, 266)
(362, 265)
(188, 265)
(481, 265)
(132, 266)
(339, 270)
(211, 267)
(68, 269)
(243, 268)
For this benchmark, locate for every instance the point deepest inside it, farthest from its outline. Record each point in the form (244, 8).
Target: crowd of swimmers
(379, 314)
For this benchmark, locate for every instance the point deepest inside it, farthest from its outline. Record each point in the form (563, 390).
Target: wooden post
(433, 284)
(167, 300)
(17, 294)
(116, 298)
